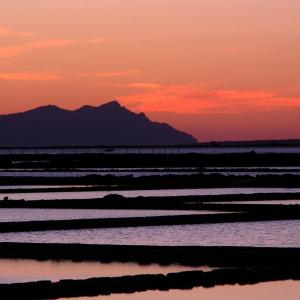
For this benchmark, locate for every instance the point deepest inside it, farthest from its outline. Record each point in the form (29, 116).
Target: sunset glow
(218, 69)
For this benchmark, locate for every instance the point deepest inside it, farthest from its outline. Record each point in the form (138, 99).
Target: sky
(218, 69)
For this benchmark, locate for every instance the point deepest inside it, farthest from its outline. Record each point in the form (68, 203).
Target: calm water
(271, 168)
(261, 234)
(145, 193)
(281, 202)
(20, 214)
(86, 173)
(26, 270)
(253, 174)
(11, 187)
(124, 169)
(278, 290)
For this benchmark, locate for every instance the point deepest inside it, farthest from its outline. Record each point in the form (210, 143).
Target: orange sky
(220, 69)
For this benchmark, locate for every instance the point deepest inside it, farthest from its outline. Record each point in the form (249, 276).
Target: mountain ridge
(107, 124)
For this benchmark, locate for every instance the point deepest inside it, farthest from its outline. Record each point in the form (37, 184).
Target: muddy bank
(149, 221)
(181, 181)
(173, 170)
(184, 255)
(138, 283)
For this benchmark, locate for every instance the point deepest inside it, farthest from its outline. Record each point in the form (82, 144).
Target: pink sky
(219, 69)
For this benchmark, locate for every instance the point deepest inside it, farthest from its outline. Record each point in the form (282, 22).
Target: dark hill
(108, 124)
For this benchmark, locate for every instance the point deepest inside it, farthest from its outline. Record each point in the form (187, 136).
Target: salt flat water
(277, 202)
(27, 270)
(253, 174)
(256, 234)
(291, 168)
(145, 193)
(86, 173)
(21, 187)
(28, 214)
(277, 290)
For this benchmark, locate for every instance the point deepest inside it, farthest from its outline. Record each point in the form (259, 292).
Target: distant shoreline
(213, 144)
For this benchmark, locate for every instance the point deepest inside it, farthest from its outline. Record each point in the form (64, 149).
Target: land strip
(218, 256)
(114, 201)
(247, 159)
(109, 182)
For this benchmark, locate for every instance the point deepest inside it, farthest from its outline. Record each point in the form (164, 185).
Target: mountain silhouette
(108, 124)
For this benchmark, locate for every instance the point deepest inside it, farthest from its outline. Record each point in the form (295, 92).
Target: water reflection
(281, 290)
(14, 270)
(86, 173)
(277, 202)
(260, 234)
(146, 193)
(12, 187)
(28, 214)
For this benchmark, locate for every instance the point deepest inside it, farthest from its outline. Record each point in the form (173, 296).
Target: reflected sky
(259, 234)
(281, 290)
(146, 193)
(28, 214)
(14, 270)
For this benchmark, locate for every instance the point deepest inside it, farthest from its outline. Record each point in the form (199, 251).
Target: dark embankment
(114, 201)
(165, 255)
(138, 283)
(172, 170)
(155, 182)
(272, 215)
(111, 160)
